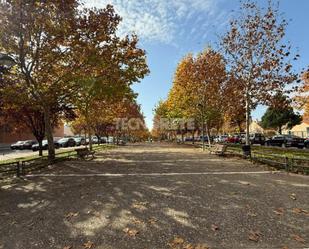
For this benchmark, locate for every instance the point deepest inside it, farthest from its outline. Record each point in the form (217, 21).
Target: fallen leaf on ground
(285, 247)
(293, 196)
(88, 245)
(130, 232)
(298, 238)
(214, 227)
(152, 221)
(202, 246)
(188, 246)
(140, 205)
(71, 214)
(67, 247)
(176, 242)
(279, 211)
(254, 236)
(180, 243)
(300, 211)
(137, 221)
(252, 214)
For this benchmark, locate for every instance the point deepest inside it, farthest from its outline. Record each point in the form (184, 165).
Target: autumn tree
(117, 118)
(108, 64)
(234, 103)
(209, 79)
(160, 128)
(302, 98)
(197, 93)
(36, 34)
(24, 113)
(181, 95)
(257, 56)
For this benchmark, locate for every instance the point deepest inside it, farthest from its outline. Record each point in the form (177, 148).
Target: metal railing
(291, 164)
(22, 167)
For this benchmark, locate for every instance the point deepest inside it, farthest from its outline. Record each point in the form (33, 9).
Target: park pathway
(155, 196)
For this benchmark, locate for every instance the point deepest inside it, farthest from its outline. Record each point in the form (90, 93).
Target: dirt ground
(153, 196)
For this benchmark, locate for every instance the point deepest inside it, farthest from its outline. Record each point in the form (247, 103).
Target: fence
(288, 163)
(23, 167)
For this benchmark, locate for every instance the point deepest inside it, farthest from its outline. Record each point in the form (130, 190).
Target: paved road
(155, 196)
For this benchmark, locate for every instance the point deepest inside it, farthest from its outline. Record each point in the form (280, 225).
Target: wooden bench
(84, 153)
(218, 149)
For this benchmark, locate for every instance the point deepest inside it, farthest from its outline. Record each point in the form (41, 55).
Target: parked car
(243, 138)
(306, 143)
(221, 139)
(28, 144)
(103, 140)
(286, 141)
(18, 145)
(79, 141)
(110, 140)
(235, 139)
(35, 147)
(205, 138)
(121, 142)
(188, 139)
(66, 142)
(94, 140)
(257, 138)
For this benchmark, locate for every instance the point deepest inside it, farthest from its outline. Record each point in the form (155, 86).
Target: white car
(221, 139)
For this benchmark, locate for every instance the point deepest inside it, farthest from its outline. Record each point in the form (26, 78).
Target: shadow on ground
(138, 211)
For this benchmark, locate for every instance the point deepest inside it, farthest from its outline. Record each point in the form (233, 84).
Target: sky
(170, 29)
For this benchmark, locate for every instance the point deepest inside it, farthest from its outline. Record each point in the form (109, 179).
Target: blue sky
(169, 29)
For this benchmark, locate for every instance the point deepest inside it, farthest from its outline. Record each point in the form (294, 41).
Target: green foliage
(280, 113)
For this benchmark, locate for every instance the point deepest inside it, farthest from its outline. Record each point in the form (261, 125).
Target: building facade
(10, 135)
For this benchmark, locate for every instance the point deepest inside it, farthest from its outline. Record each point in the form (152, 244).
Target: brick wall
(9, 135)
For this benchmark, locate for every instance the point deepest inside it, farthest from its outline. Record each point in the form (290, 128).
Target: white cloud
(160, 20)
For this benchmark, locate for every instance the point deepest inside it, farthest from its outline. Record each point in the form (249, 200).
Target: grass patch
(273, 151)
(59, 153)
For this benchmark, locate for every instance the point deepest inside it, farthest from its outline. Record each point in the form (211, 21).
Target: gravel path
(155, 196)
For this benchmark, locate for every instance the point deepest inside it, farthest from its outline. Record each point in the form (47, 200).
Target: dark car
(286, 141)
(257, 138)
(35, 147)
(27, 145)
(66, 142)
(206, 138)
(79, 141)
(18, 145)
(307, 143)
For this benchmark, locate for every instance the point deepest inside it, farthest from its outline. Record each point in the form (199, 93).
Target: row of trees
(252, 66)
(69, 64)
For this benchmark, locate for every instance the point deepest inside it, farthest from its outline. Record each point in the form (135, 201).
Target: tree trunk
(88, 127)
(40, 147)
(208, 135)
(99, 139)
(248, 114)
(49, 135)
(193, 136)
